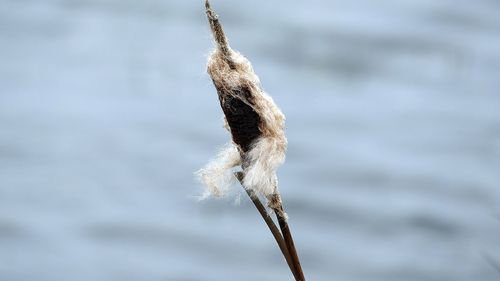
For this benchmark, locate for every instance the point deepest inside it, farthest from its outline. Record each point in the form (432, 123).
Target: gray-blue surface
(393, 119)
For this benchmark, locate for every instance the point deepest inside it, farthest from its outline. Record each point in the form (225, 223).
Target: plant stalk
(287, 235)
(270, 223)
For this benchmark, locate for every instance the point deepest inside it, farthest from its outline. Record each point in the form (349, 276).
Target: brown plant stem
(287, 235)
(270, 223)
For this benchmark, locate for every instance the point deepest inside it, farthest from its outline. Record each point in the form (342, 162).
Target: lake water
(393, 120)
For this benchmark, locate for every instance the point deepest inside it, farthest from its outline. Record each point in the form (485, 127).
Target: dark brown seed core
(242, 118)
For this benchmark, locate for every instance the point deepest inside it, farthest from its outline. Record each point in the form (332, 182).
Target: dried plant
(258, 142)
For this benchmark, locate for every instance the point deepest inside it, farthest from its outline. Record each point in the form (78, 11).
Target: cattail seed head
(255, 122)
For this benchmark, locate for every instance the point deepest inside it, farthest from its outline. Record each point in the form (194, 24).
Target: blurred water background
(393, 119)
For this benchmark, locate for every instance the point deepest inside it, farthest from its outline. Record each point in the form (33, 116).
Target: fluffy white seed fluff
(217, 176)
(267, 152)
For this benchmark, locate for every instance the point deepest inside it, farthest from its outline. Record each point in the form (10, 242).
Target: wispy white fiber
(263, 160)
(217, 175)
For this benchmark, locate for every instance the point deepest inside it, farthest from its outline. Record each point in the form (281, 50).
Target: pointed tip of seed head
(208, 10)
(218, 32)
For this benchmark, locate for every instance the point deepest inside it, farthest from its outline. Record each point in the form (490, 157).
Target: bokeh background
(393, 119)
